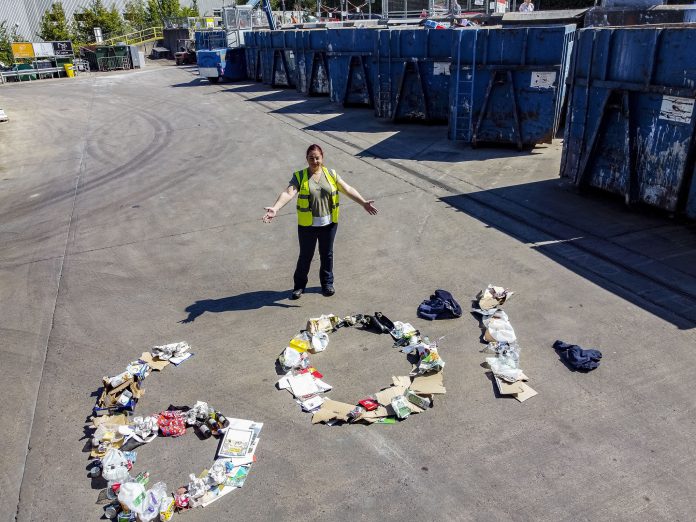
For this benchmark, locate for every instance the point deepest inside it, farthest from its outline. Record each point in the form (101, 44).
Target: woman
(317, 216)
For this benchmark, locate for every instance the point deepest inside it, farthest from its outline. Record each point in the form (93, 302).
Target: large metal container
(253, 56)
(630, 128)
(412, 74)
(234, 68)
(350, 65)
(312, 62)
(211, 63)
(508, 84)
(278, 57)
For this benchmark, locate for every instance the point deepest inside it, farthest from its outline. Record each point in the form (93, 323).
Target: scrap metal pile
(117, 434)
(407, 394)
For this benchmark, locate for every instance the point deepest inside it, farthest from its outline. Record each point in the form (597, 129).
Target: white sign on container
(543, 80)
(677, 109)
(441, 68)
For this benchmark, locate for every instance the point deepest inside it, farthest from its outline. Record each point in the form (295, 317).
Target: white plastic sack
(505, 368)
(499, 329)
(150, 507)
(291, 358)
(167, 351)
(131, 495)
(115, 466)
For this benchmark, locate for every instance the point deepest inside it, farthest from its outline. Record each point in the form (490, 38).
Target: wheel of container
(213, 79)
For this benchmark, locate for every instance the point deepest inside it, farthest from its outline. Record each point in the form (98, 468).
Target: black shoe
(297, 293)
(328, 290)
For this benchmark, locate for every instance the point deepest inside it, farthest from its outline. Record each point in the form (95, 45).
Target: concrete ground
(130, 208)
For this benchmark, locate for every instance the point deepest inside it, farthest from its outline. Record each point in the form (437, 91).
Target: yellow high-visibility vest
(304, 212)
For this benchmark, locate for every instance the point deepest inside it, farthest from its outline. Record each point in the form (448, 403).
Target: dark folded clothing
(578, 357)
(441, 305)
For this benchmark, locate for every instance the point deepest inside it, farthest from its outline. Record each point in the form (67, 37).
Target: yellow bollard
(69, 70)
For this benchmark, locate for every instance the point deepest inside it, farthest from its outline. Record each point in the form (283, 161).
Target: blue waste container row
(311, 48)
(631, 125)
(508, 84)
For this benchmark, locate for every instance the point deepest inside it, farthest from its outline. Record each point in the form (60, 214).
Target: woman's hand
(269, 215)
(369, 207)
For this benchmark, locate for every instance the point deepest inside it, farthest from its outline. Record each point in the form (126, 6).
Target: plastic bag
(216, 473)
(291, 358)
(498, 328)
(505, 368)
(150, 508)
(131, 496)
(115, 466)
(320, 341)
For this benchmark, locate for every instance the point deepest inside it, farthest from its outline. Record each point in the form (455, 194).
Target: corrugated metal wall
(27, 14)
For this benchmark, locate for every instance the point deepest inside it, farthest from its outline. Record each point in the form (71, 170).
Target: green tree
(97, 15)
(7, 36)
(190, 11)
(55, 25)
(160, 10)
(136, 15)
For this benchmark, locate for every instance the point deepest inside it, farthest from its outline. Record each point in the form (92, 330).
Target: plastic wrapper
(138, 369)
(421, 402)
(430, 361)
(199, 411)
(171, 423)
(217, 473)
(320, 341)
(505, 367)
(106, 437)
(400, 406)
(324, 323)
(301, 342)
(356, 413)
(142, 429)
(236, 475)
(196, 487)
(166, 509)
(167, 351)
(115, 466)
(150, 508)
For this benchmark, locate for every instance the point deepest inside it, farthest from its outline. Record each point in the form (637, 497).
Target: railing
(138, 37)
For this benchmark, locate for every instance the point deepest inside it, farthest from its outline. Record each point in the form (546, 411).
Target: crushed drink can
(421, 402)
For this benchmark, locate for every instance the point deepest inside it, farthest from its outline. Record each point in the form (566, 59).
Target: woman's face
(314, 159)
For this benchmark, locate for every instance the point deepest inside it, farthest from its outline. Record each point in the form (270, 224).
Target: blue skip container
(412, 74)
(312, 62)
(508, 84)
(631, 124)
(350, 66)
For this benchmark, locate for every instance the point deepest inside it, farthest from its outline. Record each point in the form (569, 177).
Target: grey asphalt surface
(130, 208)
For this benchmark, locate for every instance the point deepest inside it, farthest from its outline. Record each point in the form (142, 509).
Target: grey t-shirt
(319, 194)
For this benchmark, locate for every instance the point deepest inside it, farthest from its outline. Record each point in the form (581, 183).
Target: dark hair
(314, 147)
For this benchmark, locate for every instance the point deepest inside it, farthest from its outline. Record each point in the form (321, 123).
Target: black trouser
(308, 237)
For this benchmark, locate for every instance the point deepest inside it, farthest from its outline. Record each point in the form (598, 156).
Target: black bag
(441, 305)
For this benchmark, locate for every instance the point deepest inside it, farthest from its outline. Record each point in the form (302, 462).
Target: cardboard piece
(332, 410)
(371, 416)
(526, 393)
(508, 388)
(385, 396)
(401, 380)
(119, 419)
(155, 364)
(428, 384)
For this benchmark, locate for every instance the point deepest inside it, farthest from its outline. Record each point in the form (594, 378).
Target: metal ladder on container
(463, 107)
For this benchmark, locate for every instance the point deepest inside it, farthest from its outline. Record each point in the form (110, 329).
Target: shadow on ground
(644, 258)
(236, 303)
